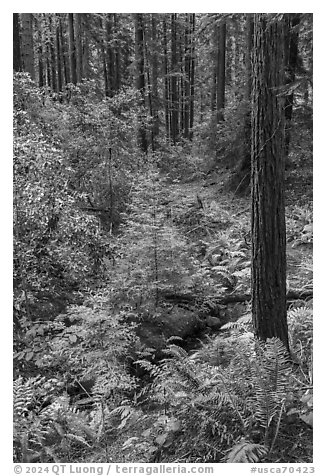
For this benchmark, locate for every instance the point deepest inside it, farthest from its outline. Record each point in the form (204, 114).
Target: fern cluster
(46, 431)
(231, 401)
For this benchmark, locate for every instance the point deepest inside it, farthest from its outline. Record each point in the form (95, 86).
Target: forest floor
(215, 224)
(209, 216)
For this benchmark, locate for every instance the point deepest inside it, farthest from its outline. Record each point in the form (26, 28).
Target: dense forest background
(162, 237)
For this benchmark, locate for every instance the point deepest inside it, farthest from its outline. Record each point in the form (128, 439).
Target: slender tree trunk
(268, 208)
(291, 58)
(59, 54)
(65, 55)
(48, 66)
(79, 46)
(241, 180)
(214, 62)
(246, 154)
(117, 55)
(72, 49)
(110, 56)
(220, 78)
(52, 54)
(181, 81)
(86, 50)
(174, 90)
(192, 76)
(140, 76)
(187, 69)
(27, 43)
(17, 60)
(107, 91)
(149, 85)
(166, 80)
(40, 52)
(155, 96)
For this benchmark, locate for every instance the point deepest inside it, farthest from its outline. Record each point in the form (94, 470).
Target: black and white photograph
(162, 240)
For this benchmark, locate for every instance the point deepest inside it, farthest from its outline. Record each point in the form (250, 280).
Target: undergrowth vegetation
(132, 334)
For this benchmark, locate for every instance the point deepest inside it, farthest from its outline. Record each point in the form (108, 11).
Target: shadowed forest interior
(163, 235)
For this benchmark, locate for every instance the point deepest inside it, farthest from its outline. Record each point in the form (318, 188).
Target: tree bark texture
(220, 78)
(268, 208)
(140, 74)
(79, 47)
(174, 88)
(155, 95)
(291, 59)
(27, 43)
(17, 62)
(166, 80)
(72, 49)
(192, 76)
(52, 54)
(59, 54)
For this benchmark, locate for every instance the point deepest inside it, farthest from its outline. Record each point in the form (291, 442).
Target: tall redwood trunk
(40, 51)
(140, 75)
(27, 43)
(220, 77)
(59, 54)
(268, 208)
(79, 48)
(155, 97)
(187, 68)
(110, 56)
(174, 88)
(192, 76)
(291, 59)
(65, 53)
(117, 54)
(72, 49)
(17, 60)
(52, 54)
(166, 80)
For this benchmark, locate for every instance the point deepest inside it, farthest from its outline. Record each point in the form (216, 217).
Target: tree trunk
(220, 78)
(27, 43)
(268, 209)
(174, 90)
(79, 47)
(65, 55)
(17, 60)
(52, 54)
(192, 76)
(117, 54)
(214, 62)
(155, 97)
(140, 76)
(59, 54)
(72, 49)
(86, 50)
(187, 67)
(40, 52)
(291, 59)
(103, 43)
(246, 154)
(166, 80)
(110, 56)
(241, 180)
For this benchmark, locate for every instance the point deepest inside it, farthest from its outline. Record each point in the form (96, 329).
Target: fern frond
(245, 452)
(270, 378)
(176, 352)
(244, 322)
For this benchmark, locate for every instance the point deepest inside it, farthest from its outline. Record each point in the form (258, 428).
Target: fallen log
(186, 298)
